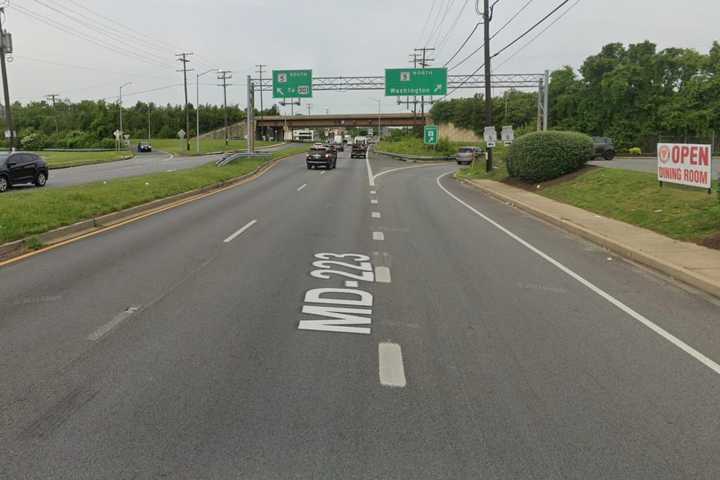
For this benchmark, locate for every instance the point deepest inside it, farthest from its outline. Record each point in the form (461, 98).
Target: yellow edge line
(140, 216)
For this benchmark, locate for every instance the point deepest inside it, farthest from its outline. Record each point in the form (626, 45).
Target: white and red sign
(685, 164)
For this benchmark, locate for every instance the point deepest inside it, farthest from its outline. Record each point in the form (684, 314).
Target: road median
(689, 263)
(44, 219)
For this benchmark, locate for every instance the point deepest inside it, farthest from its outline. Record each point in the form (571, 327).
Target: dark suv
(22, 167)
(321, 156)
(604, 147)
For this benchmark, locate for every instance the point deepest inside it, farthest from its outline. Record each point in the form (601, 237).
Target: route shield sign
(292, 83)
(400, 82)
(431, 135)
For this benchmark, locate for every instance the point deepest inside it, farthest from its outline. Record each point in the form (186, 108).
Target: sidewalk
(692, 264)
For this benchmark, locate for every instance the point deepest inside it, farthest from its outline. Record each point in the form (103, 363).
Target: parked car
(22, 167)
(321, 156)
(467, 155)
(604, 147)
(144, 148)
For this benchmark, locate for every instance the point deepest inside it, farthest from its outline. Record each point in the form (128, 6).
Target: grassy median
(207, 145)
(416, 147)
(27, 213)
(75, 159)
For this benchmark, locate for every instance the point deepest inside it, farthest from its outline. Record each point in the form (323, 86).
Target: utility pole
(250, 115)
(260, 69)
(414, 57)
(487, 17)
(424, 63)
(309, 107)
(120, 105)
(197, 107)
(183, 57)
(225, 75)
(6, 48)
(149, 133)
(52, 97)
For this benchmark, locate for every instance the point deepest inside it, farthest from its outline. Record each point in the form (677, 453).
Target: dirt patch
(533, 187)
(713, 241)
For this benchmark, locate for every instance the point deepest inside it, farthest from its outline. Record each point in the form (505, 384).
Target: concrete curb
(20, 247)
(677, 272)
(413, 158)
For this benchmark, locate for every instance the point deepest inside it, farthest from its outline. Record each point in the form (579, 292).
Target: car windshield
(317, 150)
(467, 150)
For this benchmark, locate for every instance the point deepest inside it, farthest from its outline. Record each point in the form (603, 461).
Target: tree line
(635, 95)
(91, 123)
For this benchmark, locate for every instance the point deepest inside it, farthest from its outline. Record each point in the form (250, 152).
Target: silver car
(467, 155)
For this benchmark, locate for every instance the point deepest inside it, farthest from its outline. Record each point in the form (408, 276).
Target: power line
(522, 35)
(445, 38)
(474, 52)
(525, 45)
(477, 25)
(83, 67)
(106, 30)
(427, 21)
(70, 31)
(436, 32)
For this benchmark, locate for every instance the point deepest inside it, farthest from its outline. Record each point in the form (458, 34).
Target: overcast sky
(331, 37)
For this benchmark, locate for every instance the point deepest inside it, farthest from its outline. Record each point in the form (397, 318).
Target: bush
(635, 151)
(33, 141)
(541, 156)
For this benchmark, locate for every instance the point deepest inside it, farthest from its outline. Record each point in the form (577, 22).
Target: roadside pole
(250, 115)
(121, 108)
(5, 48)
(182, 57)
(487, 17)
(197, 107)
(546, 100)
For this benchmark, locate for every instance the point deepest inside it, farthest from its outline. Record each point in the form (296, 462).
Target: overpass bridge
(282, 126)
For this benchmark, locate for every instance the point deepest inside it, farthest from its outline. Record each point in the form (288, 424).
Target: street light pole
(379, 102)
(197, 107)
(121, 108)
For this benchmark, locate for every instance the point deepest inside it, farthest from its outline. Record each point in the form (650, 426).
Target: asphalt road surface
(141, 164)
(311, 325)
(641, 164)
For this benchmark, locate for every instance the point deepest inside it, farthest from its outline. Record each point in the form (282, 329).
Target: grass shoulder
(76, 159)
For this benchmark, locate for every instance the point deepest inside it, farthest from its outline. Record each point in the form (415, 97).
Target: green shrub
(541, 156)
(635, 151)
(33, 141)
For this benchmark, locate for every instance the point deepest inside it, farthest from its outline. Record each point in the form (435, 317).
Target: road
(639, 164)
(479, 342)
(141, 164)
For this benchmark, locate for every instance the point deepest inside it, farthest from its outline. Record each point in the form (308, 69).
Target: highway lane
(141, 164)
(639, 164)
(172, 347)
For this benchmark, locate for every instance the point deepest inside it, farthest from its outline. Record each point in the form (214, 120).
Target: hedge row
(542, 156)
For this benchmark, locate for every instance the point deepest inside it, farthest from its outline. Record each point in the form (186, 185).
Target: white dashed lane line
(390, 365)
(373, 201)
(380, 236)
(112, 324)
(240, 232)
(375, 215)
(382, 275)
(302, 187)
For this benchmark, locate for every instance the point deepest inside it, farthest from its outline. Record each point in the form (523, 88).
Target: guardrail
(236, 156)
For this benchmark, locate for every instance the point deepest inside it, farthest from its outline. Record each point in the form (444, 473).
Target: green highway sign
(292, 83)
(400, 82)
(431, 135)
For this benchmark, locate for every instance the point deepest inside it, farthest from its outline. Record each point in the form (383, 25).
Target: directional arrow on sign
(438, 88)
(280, 91)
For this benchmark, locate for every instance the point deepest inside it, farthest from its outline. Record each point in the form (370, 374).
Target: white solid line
(614, 301)
(373, 201)
(371, 178)
(375, 215)
(109, 326)
(301, 187)
(390, 365)
(409, 168)
(352, 284)
(239, 232)
(382, 275)
(373, 192)
(378, 236)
